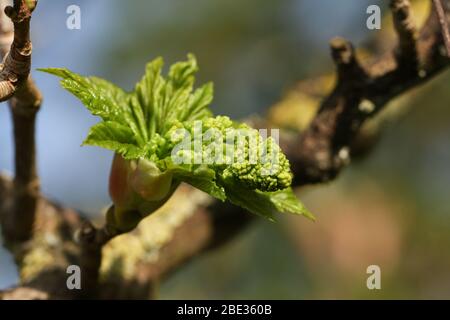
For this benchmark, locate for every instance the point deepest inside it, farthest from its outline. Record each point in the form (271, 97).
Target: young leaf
(148, 93)
(181, 74)
(266, 204)
(101, 97)
(116, 137)
(286, 201)
(198, 176)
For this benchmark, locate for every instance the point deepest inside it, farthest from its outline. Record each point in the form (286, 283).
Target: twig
(439, 7)
(25, 101)
(91, 242)
(17, 63)
(206, 227)
(407, 54)
(324, 148)
(6, 30)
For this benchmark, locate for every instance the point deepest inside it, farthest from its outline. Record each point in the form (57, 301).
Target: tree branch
(324, 148)
(17, 63)
(24, 104)
(190, 214)
(440, 10)
(406, 54)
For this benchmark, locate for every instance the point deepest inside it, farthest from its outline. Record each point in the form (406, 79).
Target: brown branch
(406, 55)
(324, 148)
(24, 104)
(24, 107)
(439, 7)
(17, 63)
(6, 30)
(43, 263)
(91, 242)
(23, 293)
(206, 226)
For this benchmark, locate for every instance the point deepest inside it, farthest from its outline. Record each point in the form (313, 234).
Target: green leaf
(181, 74)
(152, 108)
(148, 93)
(198, 176)
(266, 204)
(286, 201)
(101, 97)
(199, 103)
(116, 137)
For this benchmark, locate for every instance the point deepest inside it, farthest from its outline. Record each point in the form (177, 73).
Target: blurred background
(390, 210)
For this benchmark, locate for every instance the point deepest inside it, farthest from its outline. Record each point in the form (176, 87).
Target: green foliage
(151, 123)
(151, 109)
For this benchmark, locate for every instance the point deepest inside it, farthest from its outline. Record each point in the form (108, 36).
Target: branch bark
(440, 11)
(17, 63)
(25, 101)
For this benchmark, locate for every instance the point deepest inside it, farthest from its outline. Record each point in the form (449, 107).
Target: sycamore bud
(148, 181)
(137, 188)
(142, 123)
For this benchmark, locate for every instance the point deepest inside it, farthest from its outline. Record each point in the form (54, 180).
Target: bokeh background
(391, 210)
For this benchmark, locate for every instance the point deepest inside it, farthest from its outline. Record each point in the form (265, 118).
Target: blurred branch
(441, 12)
(407, 56)
(17, 62)
(24, 106)
(191, 223)
(42, 262)
(324, 148)
(200, 225)
(23, 293)
(25, 101)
